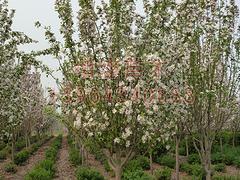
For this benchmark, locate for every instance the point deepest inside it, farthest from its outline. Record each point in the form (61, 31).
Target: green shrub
(217, 158)
(86, 173)
(192, 169)
(20, 144)
(163, 174)
(220, 167)
(186, 167)
(218, 177)
(38, 174)
(143, 162)
(3, 154)
(1, 177)
(182, 151)
(74, 157)
(136, 175)
(51, 153)
(10, 167)
(168, 160)
(106, 166)
(48, 165)
(229, 158)
(2, 146)
(140, 163)
(194, 159)
(236, 162)
(21, 157)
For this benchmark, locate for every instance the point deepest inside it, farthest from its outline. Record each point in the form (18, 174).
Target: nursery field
(120, 90)
(59, 158)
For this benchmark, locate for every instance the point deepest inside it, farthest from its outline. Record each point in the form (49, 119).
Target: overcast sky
(30, 11)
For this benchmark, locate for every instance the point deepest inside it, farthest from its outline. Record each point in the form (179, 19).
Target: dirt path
(33, 160)
(65, 171)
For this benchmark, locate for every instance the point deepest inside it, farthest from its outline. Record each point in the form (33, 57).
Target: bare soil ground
(22, 170)
(65, 171)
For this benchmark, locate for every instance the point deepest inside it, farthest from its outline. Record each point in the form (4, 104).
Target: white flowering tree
(13, 64)
(31, 89)
(120, 83)
(210, 31)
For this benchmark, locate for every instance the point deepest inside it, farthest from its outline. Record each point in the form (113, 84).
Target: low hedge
(10, 167)
(163, 174)
(139, 162)
(87, 173)
(218, 177)
(74, 156)
(45, 169)
(194, 159)
(192, 169)
(21, 157)
(219, 167)
(167, 160)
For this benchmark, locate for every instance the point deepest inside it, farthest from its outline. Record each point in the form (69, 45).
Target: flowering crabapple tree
(31, 89)
(13, 64)
(119, 75)
(209, 29)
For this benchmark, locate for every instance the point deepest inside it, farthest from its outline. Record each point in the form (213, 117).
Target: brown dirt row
(65, 171)
(22, 170)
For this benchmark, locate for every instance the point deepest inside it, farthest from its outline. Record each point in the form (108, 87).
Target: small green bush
(217, 158)
(229, 158)
(48, 165)
(10, 167)
(168, 160)
(38, 174)
(86, 173)
(20, 144)
(51, 153)
(192, 169)
(140, 163)
(182, 151)
(236, 162)
(143, 162)
(218, 177)
(2, 146)
(3, 154)
(163, 174)
(21, 157)
(194, 159)
(74, 157)
(136, 175)
(220, 167)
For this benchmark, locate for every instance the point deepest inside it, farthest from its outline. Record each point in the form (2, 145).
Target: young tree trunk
(233, 139)
(151, 162)
(177, 157)
(206, 154)
(118, 172)
(221, 144)
(187, 149)
(13, 146)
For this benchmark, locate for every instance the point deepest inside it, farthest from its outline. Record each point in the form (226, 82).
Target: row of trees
(22, 107)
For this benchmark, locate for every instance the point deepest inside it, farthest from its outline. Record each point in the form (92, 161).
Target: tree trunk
(187, 149)
(221, 144)
(233, 140)
(13, 146)
(177, 157)
(151, 162)
(118, 172)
